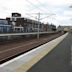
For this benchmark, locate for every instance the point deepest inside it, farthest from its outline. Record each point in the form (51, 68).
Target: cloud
(57, 2)
(59, 7)
(68, 13)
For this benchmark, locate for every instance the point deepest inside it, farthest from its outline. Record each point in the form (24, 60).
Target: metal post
(38, 24)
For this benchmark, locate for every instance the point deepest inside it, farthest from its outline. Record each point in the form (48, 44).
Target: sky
(57, 12)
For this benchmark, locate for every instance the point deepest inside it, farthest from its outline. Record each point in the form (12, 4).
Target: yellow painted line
(48, 47)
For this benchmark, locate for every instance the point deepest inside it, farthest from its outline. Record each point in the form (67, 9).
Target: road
(58, 60)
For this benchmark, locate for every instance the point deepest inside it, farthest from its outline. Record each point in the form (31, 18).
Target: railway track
(11, 50)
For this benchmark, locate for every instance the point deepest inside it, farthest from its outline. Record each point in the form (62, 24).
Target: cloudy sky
(52, 11)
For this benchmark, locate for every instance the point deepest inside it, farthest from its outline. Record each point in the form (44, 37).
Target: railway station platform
(54, 56)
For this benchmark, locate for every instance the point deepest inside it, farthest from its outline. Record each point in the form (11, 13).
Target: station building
(16, 22)
(4, 26)
(21, 24)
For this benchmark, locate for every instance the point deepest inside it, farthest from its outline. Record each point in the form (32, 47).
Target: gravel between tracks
(10, 50)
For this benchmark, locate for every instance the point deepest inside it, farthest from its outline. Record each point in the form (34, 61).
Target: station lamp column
(39, 22)
(38, 25)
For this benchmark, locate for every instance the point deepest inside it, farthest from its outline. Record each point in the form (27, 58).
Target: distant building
(60, 28)
(4, 26)
(16, 15)
(16, 21)
(67, 28)
(53, 27)
(64, 28)
(21, 24)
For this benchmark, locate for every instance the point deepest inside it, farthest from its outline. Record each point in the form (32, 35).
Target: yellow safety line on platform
(51, 45)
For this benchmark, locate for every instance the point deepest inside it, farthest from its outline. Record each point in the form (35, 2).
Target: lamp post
(38, 25)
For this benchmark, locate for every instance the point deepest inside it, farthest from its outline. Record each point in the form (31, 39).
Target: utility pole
(38, 25)
(38, 19)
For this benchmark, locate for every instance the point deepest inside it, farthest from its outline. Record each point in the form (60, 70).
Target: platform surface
(58, 60)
